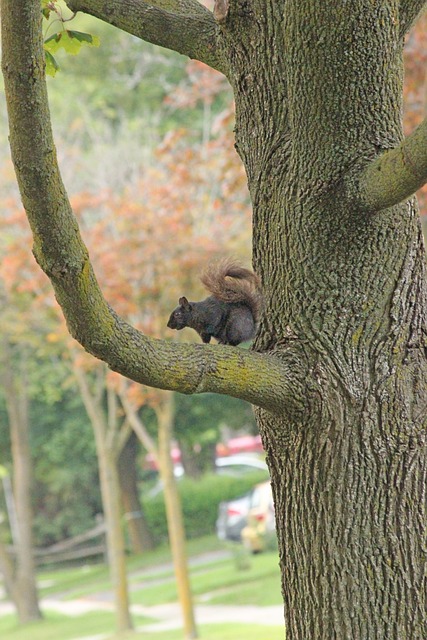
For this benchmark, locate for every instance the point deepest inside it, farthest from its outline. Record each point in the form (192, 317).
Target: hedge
(200, 499)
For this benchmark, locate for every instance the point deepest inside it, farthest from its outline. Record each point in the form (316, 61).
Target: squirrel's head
(179, 316)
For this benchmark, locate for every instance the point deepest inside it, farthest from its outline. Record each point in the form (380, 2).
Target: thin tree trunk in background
(139, 534)
(165, 412)
(24, 586)
(165, 416)
(197, 463)
(110, 492)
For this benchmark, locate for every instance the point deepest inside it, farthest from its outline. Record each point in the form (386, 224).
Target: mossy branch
(409, 11)
(394, 176)
(264, 380)
(184, 26)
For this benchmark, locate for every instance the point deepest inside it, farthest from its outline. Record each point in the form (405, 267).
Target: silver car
(232, 518)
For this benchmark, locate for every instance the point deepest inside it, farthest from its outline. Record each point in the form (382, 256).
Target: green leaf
(85, 38)
(71, 41)
(3, 472)
(51, 65)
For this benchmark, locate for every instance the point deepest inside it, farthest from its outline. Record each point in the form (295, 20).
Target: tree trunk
(22, 582)
(174, 515)
(197, 462)
(106, 439)
(341, 378)
(110, 490)
(346, 297)
(140, 536)
(165, 412)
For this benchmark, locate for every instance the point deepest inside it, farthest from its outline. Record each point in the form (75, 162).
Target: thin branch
(99, 386)
(93, 408)
(137, 425)
(184, 26)
(394, 176)
(276, 384)
(122, 436)
(408, 13)
(112, 417)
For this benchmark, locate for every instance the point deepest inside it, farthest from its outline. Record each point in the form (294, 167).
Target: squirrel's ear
(183, 302)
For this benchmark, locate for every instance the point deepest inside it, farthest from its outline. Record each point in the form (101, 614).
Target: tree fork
(274, 382)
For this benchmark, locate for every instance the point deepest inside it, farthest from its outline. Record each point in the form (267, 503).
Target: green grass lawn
(217, 581)
(90, 578)
(220, 632)
(58, 627)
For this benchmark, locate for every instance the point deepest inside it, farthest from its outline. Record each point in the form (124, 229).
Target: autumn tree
(18, 569)
(338, 372)
(151, 288)
(16, 350)
(160, 208)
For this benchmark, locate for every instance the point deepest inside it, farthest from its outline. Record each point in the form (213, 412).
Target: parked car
(232, 518)
(232, 514)
(260, 530)
(239, 465)
(240, 444)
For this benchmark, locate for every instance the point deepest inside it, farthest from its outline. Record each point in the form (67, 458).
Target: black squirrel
(231, 313)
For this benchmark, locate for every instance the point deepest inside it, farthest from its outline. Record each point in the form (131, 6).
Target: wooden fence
(85, 545)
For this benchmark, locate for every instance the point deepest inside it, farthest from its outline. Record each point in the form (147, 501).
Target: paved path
(168, 616)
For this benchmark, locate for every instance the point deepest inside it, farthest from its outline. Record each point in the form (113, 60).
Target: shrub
(200, 499)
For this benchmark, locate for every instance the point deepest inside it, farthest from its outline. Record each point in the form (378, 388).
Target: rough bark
(409, 10)
(393, 177)
(185, 26)
(341, 374)
(348, 285)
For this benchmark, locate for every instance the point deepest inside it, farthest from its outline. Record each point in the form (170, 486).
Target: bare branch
(394, 176)
(91, 404)
(184, 26)
(137, 425)
(264, 380)
(409, 12)
(122, 436)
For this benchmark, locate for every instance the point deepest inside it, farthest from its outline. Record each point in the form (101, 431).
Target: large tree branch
(394, 176)
(264, 380)
(408, 13)
(184, 26)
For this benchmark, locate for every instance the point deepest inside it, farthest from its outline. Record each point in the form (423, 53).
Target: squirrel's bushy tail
(228, 281)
